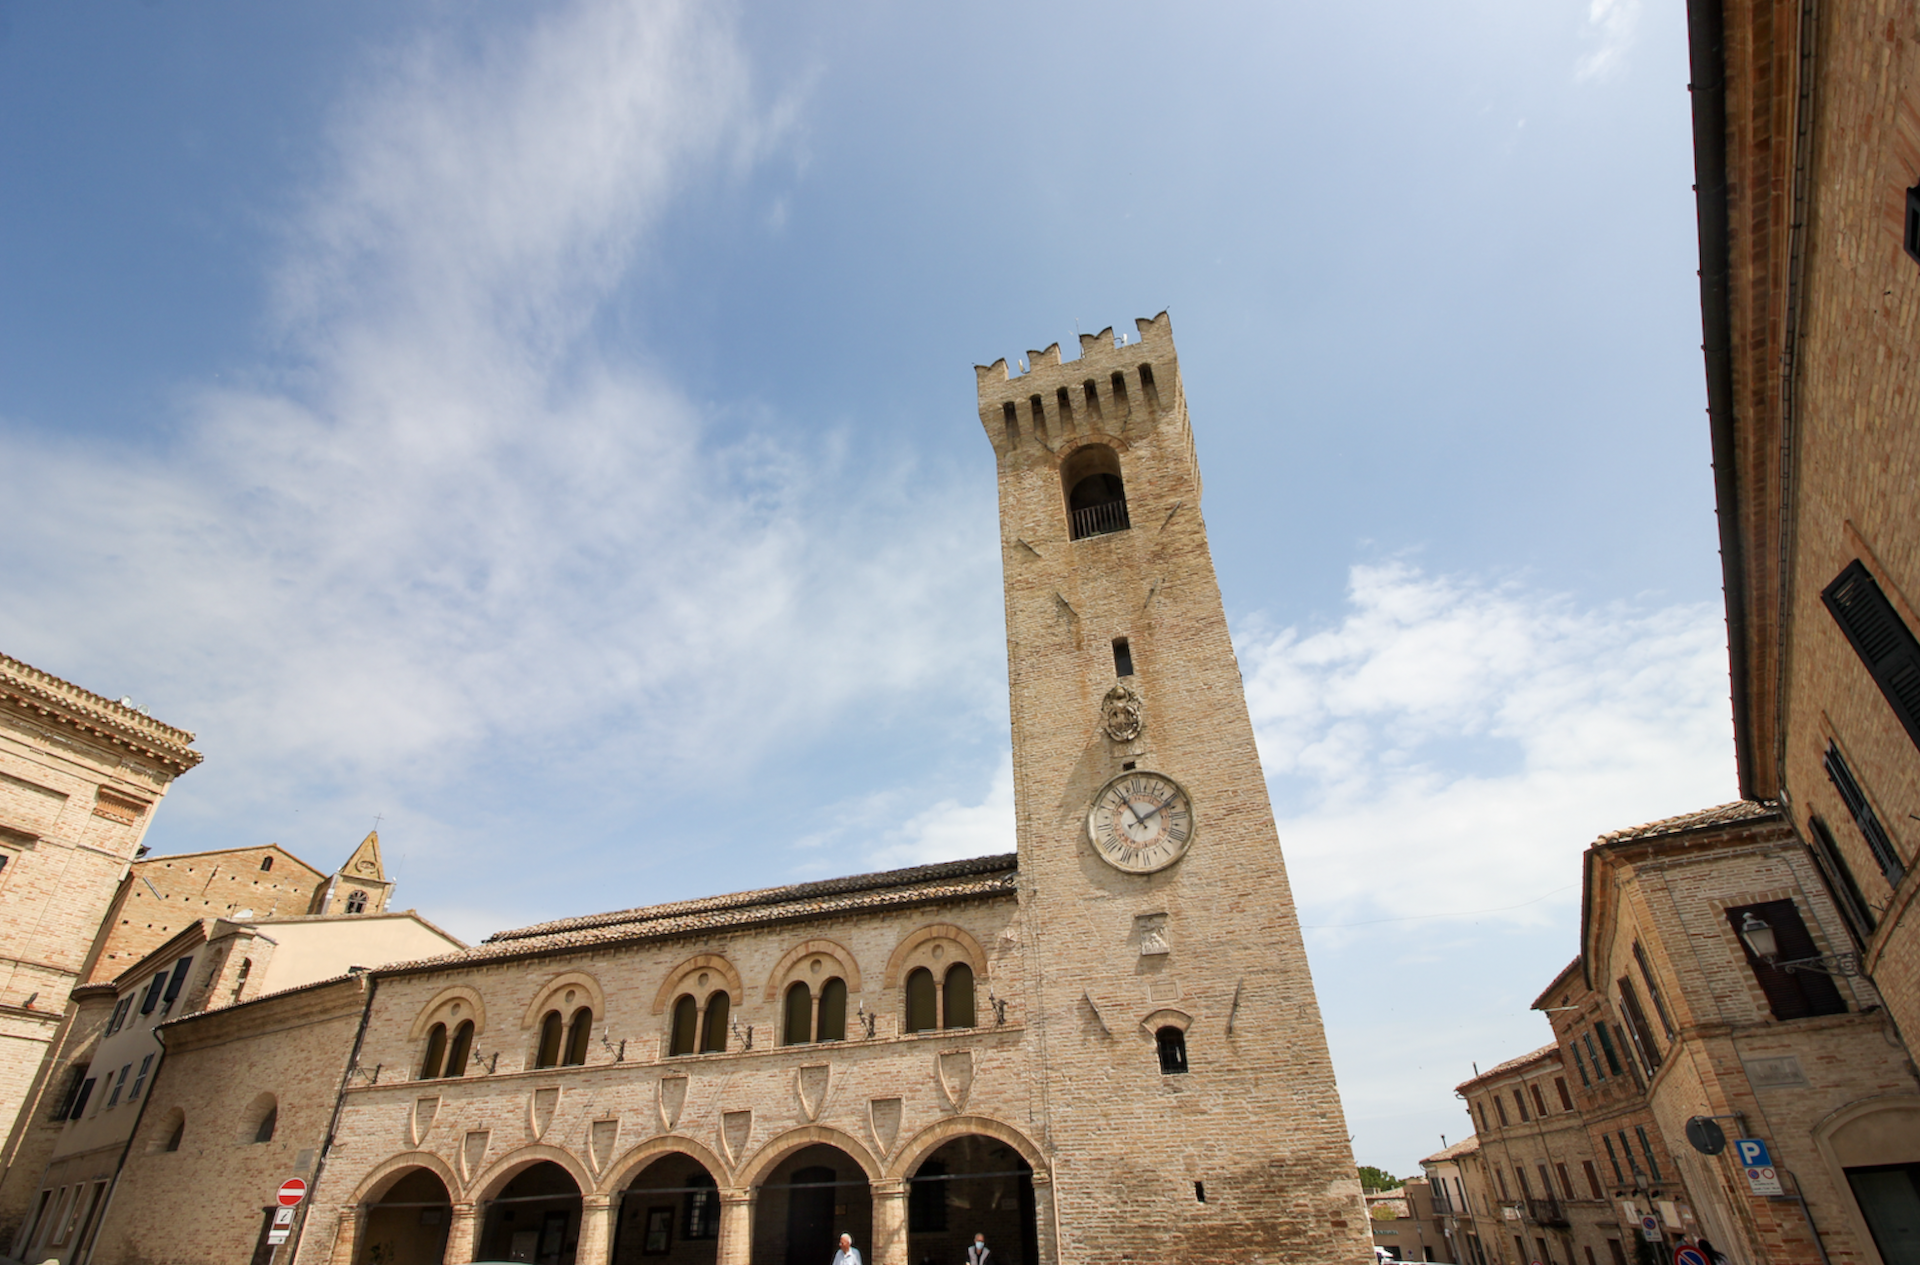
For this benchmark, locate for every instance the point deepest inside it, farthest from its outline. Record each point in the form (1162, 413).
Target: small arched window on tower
(266, 863)
(356, 902)
(548, 1055)
(1096, 496)
(1172, 1044)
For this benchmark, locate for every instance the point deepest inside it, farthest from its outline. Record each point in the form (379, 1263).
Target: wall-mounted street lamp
(1765, 945)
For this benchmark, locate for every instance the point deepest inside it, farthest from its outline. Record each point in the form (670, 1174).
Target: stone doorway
(972, 1185)
(669, 1214)
(407, 1223)
(534, 1219)
(806, 1203)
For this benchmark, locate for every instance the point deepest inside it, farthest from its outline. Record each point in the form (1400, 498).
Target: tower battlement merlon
(1125, 390)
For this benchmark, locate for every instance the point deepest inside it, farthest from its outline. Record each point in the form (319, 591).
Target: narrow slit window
(1039, 415)
(1200, 1192)
(1092, 395)
(1148, 389)
(1171, 1043)
(1011, 416)
(1065, 403)
(1119, 384)
(1122, 657)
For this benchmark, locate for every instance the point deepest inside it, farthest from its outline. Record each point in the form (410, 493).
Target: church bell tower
(1180, 1069)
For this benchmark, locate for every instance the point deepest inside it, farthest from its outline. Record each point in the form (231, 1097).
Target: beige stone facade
(80, 778)
(107, 1066)
(1103, 1048)
(1808, 149)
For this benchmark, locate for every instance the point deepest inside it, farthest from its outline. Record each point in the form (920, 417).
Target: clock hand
(1143, 820)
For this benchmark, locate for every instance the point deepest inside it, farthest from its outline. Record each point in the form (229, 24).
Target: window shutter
(1883, 642)
(1840, 882)
(1795, 995)
(1863, 816)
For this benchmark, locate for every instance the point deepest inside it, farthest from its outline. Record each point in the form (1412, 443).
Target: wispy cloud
(1609, 33)
(1452, 745)
(447, 517)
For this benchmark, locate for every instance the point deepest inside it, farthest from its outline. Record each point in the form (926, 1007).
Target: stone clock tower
(1181, 1076)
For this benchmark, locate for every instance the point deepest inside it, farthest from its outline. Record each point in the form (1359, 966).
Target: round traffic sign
(292, 1191)
(1706, 1137)
(1689, 1256)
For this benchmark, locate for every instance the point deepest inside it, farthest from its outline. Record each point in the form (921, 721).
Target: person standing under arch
(848, 1253)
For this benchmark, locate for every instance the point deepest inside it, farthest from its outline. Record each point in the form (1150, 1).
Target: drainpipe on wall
(333, 1125)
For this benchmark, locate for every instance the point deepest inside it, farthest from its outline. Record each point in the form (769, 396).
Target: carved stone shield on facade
(1120, 713)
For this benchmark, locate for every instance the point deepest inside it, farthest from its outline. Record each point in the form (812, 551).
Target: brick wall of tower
(1257, 1119)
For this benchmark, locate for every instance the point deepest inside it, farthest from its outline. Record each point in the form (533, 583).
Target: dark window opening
(1566, 1099)
(833, 1011)
(922, 1001)
(1011, 416)
(702, 1220)
(1639, 1035)
(1889, 1194)
(75, 1075)
(1520, 1102)
(1526, 1187)
(548, 1053)
(1614, 1160)
(1653, 990)
(1911, 238)
(798, 1028)
(266, 863)
(1500, 1106)
(460, 1050)
(1539, 1101)
(1039, 416)
(1593, 1179)
(1172, 1045)
(1122, 657)
(436, 1052)
(179, 1132)
(1840, 882)
(1128, 765)
(1148, 389)
(686, 1013)
(1864, 817)
(1790, 994)
(1200, 1192)
(263, 1132)
(579, 1034)
(1646, 1149)
(1064, 401)
(714, 1039)
(1580, 1063)
(1096, 494)
(1883, 641)
(957, 997)
(1092, 395)
(1606, 1046)
(357, 903)
(176, 981)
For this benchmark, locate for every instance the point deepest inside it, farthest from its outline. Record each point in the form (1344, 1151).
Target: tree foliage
(1372, 1178)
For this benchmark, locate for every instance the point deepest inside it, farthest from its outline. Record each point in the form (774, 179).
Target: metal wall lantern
(1765, 945)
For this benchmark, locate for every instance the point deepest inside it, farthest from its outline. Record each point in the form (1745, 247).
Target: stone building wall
(1234, 973)
(165, 893)
(80, 778)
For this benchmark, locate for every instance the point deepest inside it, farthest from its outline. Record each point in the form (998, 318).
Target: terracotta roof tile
(1723, 815)
(1541, 1055)
(982, 878)
(1454, 1152)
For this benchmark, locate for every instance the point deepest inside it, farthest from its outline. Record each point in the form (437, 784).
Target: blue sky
(551, 429)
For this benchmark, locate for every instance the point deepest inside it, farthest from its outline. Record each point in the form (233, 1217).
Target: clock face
(1141, 822)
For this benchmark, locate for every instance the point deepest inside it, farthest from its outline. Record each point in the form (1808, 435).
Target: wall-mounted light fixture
(1765, 945)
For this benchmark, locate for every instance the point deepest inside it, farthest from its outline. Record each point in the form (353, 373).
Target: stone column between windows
(889, 1245)
(346, 1236)
(736, 1226)
(814, 1023)
(595, 1244)
(463, 1227)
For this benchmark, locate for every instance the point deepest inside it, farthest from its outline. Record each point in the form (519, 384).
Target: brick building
(110, 1060)
(1407, 1222)
(1807, 148)
(80, 777)
(1457, 1182)
(1103, 1047)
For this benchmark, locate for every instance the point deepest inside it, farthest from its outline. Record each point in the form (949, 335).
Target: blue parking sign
(1752, 1153)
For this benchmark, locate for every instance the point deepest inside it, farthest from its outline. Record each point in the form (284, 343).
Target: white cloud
(1609, 32)
(1452, 746)
(446, 518)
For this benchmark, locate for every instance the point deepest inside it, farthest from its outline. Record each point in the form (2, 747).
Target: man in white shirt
(977, 1253)
(848, 1253)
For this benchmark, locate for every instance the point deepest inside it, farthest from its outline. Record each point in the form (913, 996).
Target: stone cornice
(51, 700)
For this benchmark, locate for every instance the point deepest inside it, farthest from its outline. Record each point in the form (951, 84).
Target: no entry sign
(292, 1192)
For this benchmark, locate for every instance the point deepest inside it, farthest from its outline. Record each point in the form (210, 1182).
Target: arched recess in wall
(440, 1010)
(684, 977)
(835, 958)
(553, 996)
(917, 949)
